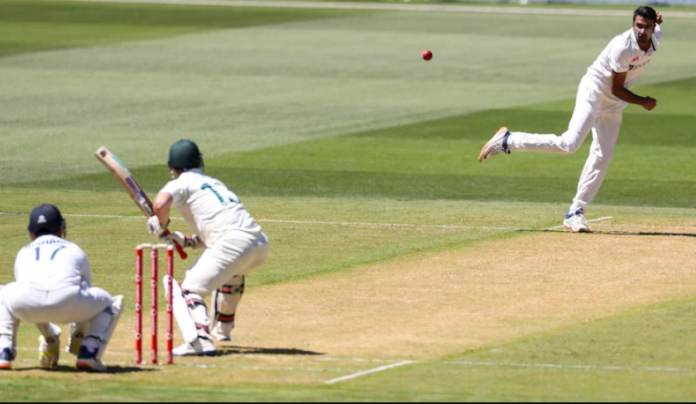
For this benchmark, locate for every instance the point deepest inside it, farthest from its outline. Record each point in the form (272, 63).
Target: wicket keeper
(53, 283)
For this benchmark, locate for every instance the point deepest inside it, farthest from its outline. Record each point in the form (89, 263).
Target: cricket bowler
(602, 95)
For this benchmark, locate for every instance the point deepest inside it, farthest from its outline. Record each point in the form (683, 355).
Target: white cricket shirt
(209, 207)
(51, 263)
(621, 55)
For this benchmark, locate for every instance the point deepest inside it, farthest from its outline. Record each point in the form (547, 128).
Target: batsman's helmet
(184, 155)
(46, 219)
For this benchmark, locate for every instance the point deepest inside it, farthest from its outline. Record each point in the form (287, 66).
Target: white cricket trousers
(593, 111)
(238, 253)
(70, 304)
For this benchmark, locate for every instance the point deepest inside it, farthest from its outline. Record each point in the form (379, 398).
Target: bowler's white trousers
(594, 111)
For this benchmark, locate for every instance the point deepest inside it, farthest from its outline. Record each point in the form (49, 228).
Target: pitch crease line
(319, 222)
(365, 224)
(369, 224)
(367, 372)
(589, 221)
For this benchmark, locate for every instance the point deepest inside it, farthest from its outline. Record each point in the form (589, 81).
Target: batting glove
(155, 227)
(185, 241)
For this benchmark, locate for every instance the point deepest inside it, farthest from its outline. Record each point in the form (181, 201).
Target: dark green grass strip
(437, 160)
(32, 26)
(288, 182)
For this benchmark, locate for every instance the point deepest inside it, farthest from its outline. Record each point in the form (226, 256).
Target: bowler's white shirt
(50, 263)
(621, 55)
(208, 206)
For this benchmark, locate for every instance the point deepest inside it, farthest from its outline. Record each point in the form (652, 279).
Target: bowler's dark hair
(645, 12)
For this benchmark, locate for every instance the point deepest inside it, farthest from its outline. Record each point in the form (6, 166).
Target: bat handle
(179, 248)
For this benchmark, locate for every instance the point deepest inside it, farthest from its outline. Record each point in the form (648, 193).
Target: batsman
(234, 246)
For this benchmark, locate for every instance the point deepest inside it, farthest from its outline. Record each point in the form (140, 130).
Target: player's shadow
(112, 370)
(617, 233)
(241, 350)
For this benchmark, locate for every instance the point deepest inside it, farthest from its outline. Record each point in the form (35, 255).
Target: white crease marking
(311, 222)
(370, 371)
(589, 221)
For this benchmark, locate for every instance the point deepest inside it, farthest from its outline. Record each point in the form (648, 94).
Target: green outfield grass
(390, 242)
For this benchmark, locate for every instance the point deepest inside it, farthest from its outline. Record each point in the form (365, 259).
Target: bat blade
(133, 189)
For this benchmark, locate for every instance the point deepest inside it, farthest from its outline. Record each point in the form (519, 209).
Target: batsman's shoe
(6, 358)
(222, 331)
(87, 361)
(576, 222)
(49, 351)
(199, 347)
(498, 144)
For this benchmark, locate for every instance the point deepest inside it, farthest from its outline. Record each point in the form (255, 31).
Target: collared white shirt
(209, 207)
(621, 55)
(50, 263)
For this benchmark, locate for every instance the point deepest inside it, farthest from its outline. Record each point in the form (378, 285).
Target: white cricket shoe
(49, 351)
(199, 347)
(222, 331)
(576, 222)
(498, 144)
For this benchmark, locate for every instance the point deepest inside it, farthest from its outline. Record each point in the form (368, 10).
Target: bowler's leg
(605, 136)
(579, 127)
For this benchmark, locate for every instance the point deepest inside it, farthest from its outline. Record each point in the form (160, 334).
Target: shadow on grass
(619, 233)
(240, 350)
(70, 369)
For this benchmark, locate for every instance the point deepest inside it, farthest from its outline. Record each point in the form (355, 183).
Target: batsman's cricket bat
(132, 187)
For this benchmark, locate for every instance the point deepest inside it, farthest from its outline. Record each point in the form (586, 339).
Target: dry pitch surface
(433, 305)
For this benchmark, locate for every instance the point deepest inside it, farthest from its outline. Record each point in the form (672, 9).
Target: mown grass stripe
(574, 367)
(390, 7)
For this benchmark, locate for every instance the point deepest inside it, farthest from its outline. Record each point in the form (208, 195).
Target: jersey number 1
(38, 252)
(222, 201)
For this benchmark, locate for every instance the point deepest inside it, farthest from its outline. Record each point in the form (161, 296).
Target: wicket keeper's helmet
(184, 155)
(46, 219)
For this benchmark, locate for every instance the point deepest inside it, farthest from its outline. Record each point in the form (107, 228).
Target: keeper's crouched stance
(234, 246)
(53, 283)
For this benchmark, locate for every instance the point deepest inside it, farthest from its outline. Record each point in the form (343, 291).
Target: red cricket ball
(427, 55)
